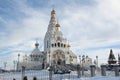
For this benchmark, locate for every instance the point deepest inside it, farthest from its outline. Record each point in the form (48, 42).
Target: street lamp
(97, 60)
(14, 62)
(80, 59)
(5, 63)
(18, 61)
(83, 61)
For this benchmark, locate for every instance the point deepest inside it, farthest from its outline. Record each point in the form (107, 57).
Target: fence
(39, 74)
(50, 75)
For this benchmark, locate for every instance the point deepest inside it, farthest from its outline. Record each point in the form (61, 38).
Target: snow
(100, 78)
(44, 75)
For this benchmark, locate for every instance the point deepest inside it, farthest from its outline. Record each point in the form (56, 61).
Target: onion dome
(53, 12)
(68, 45)
(36, 44)
(36, 51)
(57, 25)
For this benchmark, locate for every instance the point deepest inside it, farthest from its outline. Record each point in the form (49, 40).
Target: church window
(55, 44)
(36, 59)
(52, 45)
(47, 44)
(30, 55)
(68, 52)
(58, 44)
(62, 45)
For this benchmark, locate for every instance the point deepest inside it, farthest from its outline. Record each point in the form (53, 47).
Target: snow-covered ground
(44, 75)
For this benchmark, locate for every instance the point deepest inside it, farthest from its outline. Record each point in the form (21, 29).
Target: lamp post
(97, 61)
(80, 59)
(79, 67)
(14, 62)
(5, 63)
(18, 62)
(83, 61)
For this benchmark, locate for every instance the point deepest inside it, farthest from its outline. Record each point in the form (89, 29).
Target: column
(103, 70)
(116, 68)
(92, 68)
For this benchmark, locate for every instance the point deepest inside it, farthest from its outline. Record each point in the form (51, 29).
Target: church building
(56, 46)
(56, 49)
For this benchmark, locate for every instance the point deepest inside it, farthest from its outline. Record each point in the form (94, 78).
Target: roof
(36, 51)
(72, 54)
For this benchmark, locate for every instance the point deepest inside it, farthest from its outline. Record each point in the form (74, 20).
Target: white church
(56, 49)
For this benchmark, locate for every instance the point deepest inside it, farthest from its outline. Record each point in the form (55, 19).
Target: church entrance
(59, 62)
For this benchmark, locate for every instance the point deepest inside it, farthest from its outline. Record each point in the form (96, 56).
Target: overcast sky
(91, 26)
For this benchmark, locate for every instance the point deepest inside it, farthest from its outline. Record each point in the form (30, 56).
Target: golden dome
(68, 46)
(57, 25)
(36, 44)
(53, 12)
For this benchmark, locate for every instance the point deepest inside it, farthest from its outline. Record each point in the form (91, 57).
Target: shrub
(25, 78)
(34, 78)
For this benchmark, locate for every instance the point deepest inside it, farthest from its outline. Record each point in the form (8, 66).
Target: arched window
(61, 44)
(47, 44)
(52, 45)
(58, 44)
(55, 44)
(64, 45)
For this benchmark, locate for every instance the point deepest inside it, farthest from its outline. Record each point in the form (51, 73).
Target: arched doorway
(59, 62)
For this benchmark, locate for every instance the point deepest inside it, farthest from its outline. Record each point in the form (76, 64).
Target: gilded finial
(53, 12)
(36, 44)
(68, 45)
(57, 25)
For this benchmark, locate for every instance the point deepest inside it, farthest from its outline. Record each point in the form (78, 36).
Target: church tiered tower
(56, 46)
(56, 49)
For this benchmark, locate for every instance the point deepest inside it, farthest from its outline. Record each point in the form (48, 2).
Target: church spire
(111, 56)
(53, 17)
(111, 59)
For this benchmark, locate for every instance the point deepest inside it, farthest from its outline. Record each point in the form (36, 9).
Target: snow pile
(99, 78)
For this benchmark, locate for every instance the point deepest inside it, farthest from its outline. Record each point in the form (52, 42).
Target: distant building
(33, 61)
(111, 59)
(118, 59)
(86, 62)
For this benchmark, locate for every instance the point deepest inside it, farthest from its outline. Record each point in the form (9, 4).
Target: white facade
(33, 61)
(56, 46)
